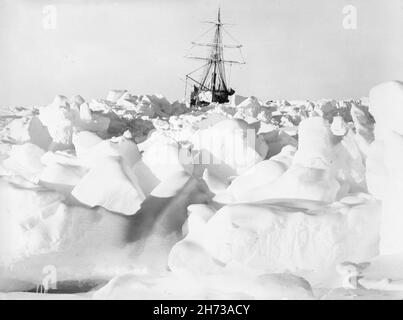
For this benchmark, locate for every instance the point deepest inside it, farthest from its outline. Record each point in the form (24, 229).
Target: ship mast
(217, 53)
(213, 79)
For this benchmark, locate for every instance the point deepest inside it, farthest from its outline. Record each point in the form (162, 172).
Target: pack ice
(250, 199)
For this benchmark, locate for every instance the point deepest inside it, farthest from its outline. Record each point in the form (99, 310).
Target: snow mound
(59, 118)
(306, 238)
(384, 162)
(61, 178)
(277, 140)
(145, 107)
(386, 100)
(28, 129)
(314, 143)
(162, 106)
(213, 287)
(92, 122)
(339, 158)
(236, 100)
(115, 95)
(163, 157)
(83, 142)
(249, 108)
(364, 126)
(25, 161)
(326, 109)
(339, 126)
(107, 185)
(24, 215)
(254, 182)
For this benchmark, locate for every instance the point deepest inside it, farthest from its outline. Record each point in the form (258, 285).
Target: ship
(213, 85)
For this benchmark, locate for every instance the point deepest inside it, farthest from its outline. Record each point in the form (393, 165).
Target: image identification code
(203, 309)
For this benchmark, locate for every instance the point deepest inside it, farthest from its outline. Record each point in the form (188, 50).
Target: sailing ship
(213, 86)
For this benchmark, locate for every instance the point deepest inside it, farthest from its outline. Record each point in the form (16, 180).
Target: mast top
(217, 44)
(218, 21)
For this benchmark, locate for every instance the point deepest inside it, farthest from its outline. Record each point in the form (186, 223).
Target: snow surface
(135, 197)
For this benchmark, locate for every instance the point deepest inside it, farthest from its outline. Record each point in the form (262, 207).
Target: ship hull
(217, 97)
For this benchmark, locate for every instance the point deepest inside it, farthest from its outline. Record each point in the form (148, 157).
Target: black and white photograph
(204, 150)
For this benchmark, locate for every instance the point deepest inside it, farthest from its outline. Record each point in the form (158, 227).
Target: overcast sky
(295, 49)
